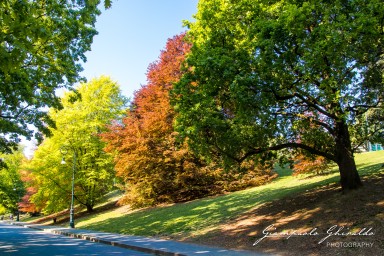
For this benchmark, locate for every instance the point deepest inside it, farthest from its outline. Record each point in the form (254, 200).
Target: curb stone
(113, 243)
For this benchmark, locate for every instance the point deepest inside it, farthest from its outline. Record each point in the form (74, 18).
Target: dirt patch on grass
(297, 224)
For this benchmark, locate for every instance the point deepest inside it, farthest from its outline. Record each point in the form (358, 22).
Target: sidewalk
(138, 243)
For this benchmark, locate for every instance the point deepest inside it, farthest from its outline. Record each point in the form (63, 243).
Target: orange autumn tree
(310, 164)
(155, 167)
(30, 188)
(303, 161)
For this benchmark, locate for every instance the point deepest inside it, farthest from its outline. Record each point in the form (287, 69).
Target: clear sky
(131, 35)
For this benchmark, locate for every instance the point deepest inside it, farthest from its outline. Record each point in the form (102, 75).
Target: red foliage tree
(154, 165)
(315, 164)
(25, 205)
(304, 162)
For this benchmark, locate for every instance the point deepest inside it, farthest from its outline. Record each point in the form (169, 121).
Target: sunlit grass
(199, 216)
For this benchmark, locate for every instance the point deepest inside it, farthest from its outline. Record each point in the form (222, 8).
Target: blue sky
(131, 35)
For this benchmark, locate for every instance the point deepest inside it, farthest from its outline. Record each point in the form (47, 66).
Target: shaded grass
(201, 216)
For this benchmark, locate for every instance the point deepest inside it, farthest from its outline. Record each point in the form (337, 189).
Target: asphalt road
(15, 240)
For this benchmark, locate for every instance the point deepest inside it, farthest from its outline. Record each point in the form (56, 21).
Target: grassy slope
(108, 201)
(201, 216)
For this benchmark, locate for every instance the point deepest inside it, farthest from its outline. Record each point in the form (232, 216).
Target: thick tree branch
(256, 151)
(287, 145)
(363, 108)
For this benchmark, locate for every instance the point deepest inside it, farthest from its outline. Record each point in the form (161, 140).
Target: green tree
(11, 185)
(265, 76)
(76, 138)
(42, 46)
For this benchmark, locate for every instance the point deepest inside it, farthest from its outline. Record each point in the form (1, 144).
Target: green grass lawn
(200, 216)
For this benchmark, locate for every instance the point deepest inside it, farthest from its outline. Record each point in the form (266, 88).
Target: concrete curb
(114, 243)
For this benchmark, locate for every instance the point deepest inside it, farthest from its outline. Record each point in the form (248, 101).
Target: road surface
(15, 240)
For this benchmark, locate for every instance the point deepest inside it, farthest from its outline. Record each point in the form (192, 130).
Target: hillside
(317, 209)
(293, 205)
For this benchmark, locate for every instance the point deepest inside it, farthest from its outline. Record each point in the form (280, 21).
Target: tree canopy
(42, 46)
(11, 185)
(272, 75)
(154, 165)
(76, 138)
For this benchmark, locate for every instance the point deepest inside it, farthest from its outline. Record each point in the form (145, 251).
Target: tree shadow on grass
(319, 209)
(372, 169)
(196, 216)
(237, 219)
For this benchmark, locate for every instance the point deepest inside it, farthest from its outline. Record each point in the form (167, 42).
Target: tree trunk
(89, 208)
(349, 177)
